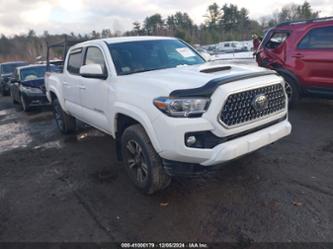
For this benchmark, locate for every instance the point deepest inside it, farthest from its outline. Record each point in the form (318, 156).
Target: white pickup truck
(169, 111)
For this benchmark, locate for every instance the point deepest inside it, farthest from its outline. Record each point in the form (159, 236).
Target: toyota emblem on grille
(260, 102)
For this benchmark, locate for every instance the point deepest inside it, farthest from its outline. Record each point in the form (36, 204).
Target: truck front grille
(248, 106)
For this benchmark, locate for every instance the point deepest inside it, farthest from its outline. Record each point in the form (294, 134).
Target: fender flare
(56, 93)
(141, 117)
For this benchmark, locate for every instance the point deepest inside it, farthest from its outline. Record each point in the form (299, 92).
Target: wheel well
(285, 73)
(123, 122)
(53, 96)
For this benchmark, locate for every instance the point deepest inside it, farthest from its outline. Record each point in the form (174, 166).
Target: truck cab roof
(115, 40)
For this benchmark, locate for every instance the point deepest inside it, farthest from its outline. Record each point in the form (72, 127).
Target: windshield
(32, 73)
(10, 68)
(141, 56)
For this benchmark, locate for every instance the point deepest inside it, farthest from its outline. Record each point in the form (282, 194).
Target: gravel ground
(56, 188)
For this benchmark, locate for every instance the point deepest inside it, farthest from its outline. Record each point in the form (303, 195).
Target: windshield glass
(141, 56)
(32, 73)
(10, 68)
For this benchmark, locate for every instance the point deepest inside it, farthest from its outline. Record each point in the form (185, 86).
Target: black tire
(24, 105)
(14, 101)
(3, 91)
(143, 164)
(292, 90)
(13, 98)
(65, 122)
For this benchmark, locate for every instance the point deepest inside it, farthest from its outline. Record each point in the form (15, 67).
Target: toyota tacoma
(169, 111)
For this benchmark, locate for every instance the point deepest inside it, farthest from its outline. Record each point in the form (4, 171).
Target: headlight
(187, 107)
(27, 89)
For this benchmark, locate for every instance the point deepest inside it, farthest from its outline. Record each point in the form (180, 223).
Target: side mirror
(13, 80)
(94, 71)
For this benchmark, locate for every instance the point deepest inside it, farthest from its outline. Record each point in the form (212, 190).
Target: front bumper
(35, 99)
(226, 151)
(247, 144)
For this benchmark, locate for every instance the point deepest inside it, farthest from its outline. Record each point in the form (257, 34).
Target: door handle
(66, 84)
(298, 55)
(82, 87)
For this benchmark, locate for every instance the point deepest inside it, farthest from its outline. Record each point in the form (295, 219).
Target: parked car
(301, 52)
(6, 71)
(169, 111)
(230, 47)
(28, 88)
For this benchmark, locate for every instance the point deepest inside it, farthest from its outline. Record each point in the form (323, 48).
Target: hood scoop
(215, 69)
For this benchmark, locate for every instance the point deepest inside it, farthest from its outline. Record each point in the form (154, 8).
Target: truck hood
(37, 83)
(186, 77)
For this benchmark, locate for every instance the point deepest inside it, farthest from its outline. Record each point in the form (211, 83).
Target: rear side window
(74, 62)
(277, 39)
(319, 38)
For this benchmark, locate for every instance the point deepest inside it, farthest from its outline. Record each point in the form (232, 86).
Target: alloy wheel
(58, 116)
(289, 90)
(136, 161)
(24, 105)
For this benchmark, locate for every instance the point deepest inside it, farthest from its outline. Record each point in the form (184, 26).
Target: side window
(277, 39)
(319, 38)
(94, 56)
(74, 62)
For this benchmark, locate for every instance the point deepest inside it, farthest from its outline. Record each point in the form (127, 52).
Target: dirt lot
(71, 188)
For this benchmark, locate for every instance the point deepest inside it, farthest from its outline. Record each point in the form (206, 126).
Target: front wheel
(292, 91)
(25, 106)
(142, 163)
(14, 100)
(65, 122)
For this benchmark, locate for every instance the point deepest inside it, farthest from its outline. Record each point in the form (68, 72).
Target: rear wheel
(142, 163)
(65, 122)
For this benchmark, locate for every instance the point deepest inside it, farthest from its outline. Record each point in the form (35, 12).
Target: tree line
(222, 23)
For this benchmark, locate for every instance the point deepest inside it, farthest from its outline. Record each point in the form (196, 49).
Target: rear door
(72, 82)
(94, 92)
(314, 58)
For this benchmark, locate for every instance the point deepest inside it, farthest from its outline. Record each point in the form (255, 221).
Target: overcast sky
(83, 16)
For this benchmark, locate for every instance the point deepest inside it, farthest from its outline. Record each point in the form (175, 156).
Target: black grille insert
(242, 107)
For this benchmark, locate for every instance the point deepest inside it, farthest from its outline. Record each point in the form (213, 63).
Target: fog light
(191, 140)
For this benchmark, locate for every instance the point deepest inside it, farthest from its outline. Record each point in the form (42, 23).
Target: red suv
(302, 53)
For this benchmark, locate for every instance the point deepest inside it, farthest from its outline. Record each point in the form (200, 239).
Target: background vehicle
(7, 69)
(169, 111)
(301, 52)
(28, 86)
(230, 47)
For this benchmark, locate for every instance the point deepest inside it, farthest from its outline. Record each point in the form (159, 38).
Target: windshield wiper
(145, 70)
